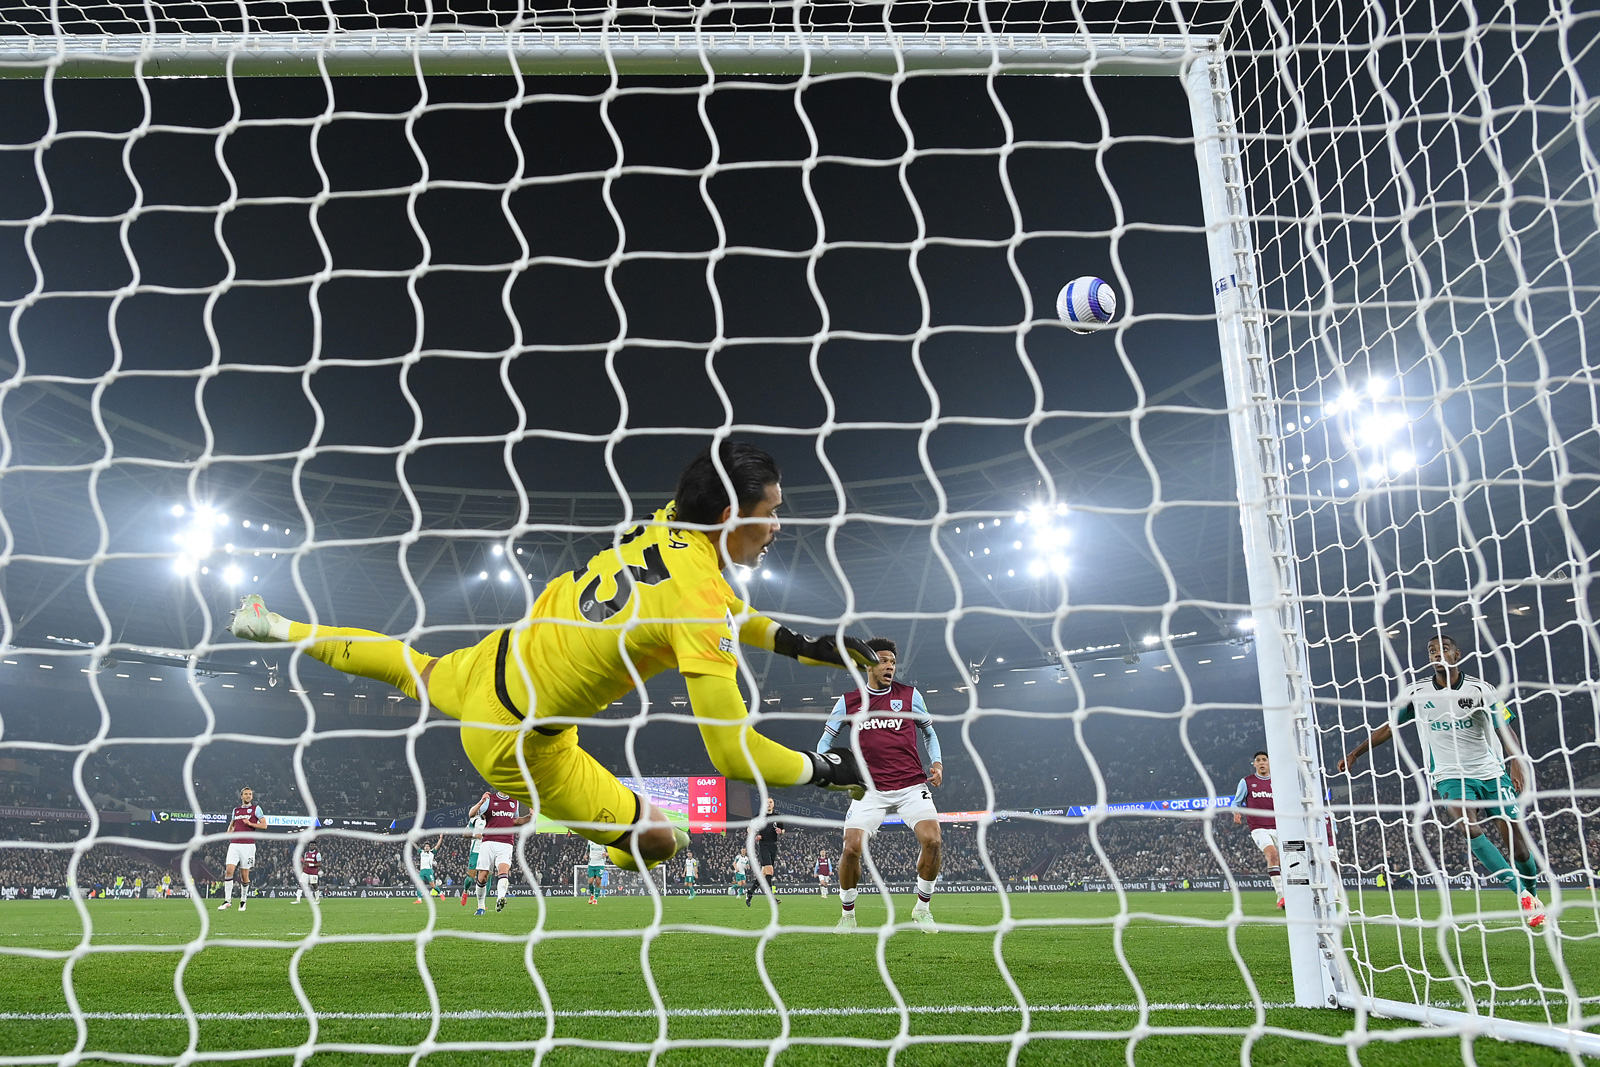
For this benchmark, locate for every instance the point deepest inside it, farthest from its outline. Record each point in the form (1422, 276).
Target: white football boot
(253, 622)
(922, 915)
(847, 923)
(1532, 911)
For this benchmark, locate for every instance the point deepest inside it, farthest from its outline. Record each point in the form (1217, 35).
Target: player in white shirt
(476, 825)
(741, 872)
(691, 872)
(1474, 762)
(425, 867)
(597, 870)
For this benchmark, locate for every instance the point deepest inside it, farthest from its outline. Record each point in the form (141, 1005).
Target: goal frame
(1313, 890)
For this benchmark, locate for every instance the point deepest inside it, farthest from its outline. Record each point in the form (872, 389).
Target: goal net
(396, 314)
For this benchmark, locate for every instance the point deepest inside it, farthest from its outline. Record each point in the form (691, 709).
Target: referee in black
(767, 835)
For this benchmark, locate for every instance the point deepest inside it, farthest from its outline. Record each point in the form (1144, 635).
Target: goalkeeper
(655, 601)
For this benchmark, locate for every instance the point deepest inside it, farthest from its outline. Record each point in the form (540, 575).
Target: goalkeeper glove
(822, 651)
(838, 769)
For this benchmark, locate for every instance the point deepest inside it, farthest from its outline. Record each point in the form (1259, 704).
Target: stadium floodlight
(232, 575)
(177, 510)
(1246, 623)
(483, 576)
(1152, 639)
(768, 575)
(498, 550)
(505, 575)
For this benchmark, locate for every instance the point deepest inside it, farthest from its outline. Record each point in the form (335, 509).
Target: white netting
(395, 352)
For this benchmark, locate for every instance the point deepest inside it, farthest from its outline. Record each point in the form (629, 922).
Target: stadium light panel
(233, 575)
(1247, 623)
(245, 524)
(767, 574)
(499, 551)
(483, 575)
(177, 511)
(1151, 639)
(1401, 462)
(505, 576)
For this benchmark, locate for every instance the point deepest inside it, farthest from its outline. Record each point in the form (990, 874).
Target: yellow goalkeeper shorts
(561, 780)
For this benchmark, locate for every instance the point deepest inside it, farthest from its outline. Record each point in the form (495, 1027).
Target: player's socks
(227, 890)
(847, 899)
(500, 888)
(483, 894)
(924, 889)
(1529, 871)
(1276, 874)
(1494, 861)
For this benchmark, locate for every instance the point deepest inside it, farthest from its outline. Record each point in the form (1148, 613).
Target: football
(1086, 302)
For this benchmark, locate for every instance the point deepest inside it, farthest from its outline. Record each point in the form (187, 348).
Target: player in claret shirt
(310, 871)
(494, 853)
(655, 600)
(247, 816)
(824, 871)
(1255, 791)
(885, 721)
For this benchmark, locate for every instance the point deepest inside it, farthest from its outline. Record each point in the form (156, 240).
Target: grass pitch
(549, 981)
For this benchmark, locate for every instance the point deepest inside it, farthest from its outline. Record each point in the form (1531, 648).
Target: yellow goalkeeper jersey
(655, 602)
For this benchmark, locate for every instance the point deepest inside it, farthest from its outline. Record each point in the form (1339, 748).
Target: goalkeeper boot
(922, 915)
(847, 923)
(838, 769)
(253, 622)
(1532, 911)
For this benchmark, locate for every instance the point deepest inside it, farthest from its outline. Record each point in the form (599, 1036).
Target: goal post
(1311, 882)
(623, 51)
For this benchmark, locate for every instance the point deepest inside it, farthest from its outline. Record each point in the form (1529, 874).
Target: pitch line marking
(641, 1013)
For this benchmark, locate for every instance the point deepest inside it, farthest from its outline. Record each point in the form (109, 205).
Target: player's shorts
(596, 870)
(311, 879)
(1264, 838)
(738, 879)
(242, 856)
(570, 784)
(427, 874)
(914, 803)
(472, 861)
(1496, 800)
(491, 854)
(688, 879)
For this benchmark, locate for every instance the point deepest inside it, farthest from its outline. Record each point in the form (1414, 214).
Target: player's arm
(259, 822)
(1516, 759)
(1377, 737)
(762, 632)
(1238, 801)
(930, 738)
(830, 729)
(472, 812)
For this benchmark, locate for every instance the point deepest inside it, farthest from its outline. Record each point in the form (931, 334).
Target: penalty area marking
(643, 1013)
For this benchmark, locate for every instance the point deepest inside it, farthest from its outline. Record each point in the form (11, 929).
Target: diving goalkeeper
(655, 601)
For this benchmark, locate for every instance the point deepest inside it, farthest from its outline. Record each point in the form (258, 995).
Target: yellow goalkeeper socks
(364, 653)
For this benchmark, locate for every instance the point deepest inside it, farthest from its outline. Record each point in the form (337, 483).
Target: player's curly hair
(884, 644)
(701, 493)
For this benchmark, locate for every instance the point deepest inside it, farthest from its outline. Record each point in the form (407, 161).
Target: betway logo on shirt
(879, 724)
